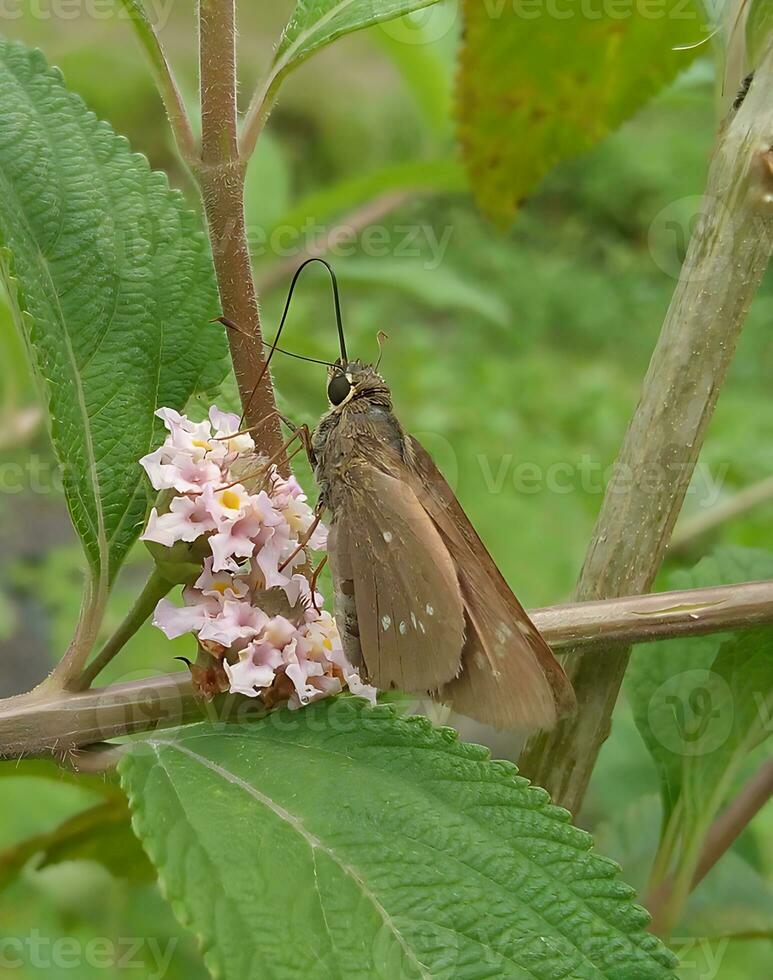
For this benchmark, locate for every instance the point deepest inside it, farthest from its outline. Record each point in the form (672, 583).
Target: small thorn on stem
(231, 326)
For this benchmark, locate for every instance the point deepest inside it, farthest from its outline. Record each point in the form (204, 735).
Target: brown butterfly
(419, 601)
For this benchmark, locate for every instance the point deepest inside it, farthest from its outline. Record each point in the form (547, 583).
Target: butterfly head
(350, 380)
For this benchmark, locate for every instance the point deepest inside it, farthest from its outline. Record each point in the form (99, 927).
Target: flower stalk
(153, 591)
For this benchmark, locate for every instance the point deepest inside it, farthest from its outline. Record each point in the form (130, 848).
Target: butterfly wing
(510, 678)
(396, 589)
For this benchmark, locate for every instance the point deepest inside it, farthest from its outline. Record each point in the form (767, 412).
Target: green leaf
(438, 176)
(536, 88)
(112, 282)
(104, 784)
(423, 63)
(671, 684)
(266, 187)
(344, 841)
(702, 705)
(102, 834)
(315, 23)
(731, 721)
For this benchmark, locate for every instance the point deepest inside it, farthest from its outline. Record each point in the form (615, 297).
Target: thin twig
(154, 590)
(59, 723)
(593, 626)
(346, 229)
(734, 819)
(258, 110)
(691, 530)
(166, 82)
(721, 835)
(64, 677)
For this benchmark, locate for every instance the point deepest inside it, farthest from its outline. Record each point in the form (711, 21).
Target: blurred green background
(517, 358)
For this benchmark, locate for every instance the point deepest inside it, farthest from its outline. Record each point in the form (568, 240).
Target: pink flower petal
(246, 677)
(174, 621)
(237, 621)
(186, 520)
(357, 686)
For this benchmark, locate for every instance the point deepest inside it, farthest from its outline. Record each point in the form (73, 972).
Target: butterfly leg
(303, 433)
(265, 466)
(313, 583)
(306, 537)
(285, 446)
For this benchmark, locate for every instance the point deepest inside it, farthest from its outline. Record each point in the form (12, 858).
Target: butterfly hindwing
(510, 677)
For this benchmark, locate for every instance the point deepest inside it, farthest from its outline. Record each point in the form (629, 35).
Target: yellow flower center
(230, 499)
(220, 587)
(200, 444)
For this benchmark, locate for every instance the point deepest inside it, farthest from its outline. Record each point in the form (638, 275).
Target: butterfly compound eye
(338, 389)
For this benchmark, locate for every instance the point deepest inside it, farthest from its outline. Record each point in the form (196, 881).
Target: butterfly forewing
(388, 554)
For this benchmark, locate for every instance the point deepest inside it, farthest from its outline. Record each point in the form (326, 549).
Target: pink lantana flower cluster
(250, 608)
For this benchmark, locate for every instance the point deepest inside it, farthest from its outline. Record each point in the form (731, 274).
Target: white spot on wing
(430, 610)
(413, 620)
(386, 622)
(387, 535)
(403, 629)
(504, 633)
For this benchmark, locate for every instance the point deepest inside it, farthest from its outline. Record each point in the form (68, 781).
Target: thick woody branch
(724, 266)
(61, 723)
(594, 626)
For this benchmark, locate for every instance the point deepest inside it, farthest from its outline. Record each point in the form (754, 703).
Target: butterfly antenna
(288, 353)
(339, 324)
(381, 337)
(336, 300)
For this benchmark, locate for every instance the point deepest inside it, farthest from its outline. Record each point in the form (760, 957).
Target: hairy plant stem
(154, 590)
(724, 266)
(58, 723)
(221, 178)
